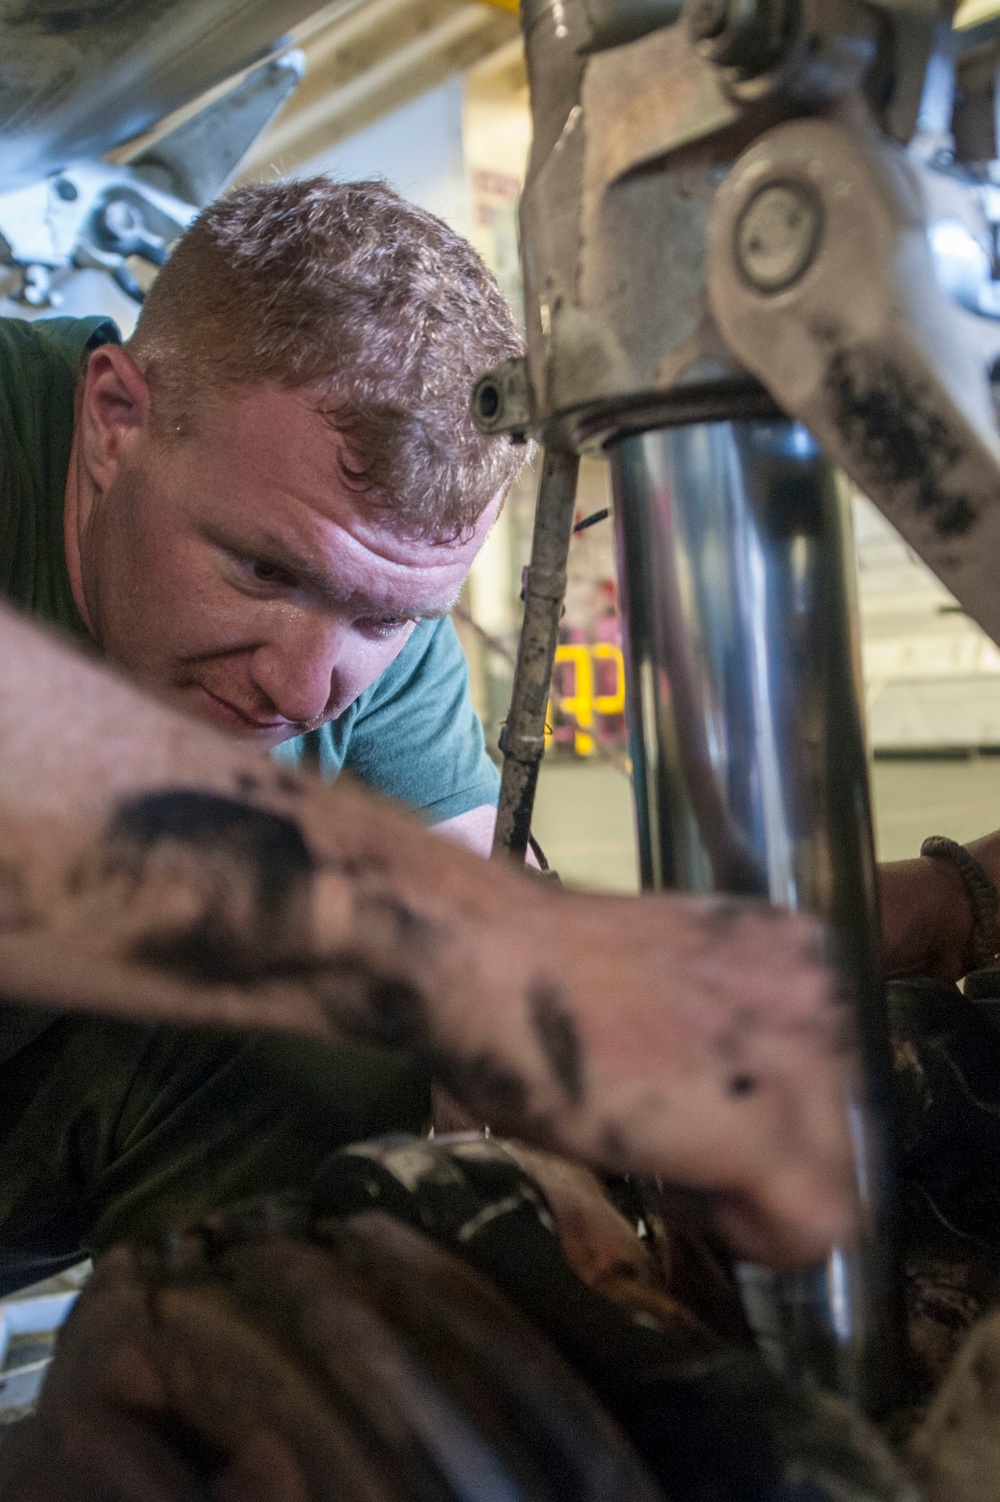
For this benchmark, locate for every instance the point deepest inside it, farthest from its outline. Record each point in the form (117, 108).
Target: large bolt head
(777, 235)
(121, 218)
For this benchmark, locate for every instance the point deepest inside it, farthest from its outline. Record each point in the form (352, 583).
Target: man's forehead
(366, 572)
(286, 437)
(295, 502)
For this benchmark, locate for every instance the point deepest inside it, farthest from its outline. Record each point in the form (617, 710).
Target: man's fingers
(781, 1200)
(728, 1073)
(794, 1215)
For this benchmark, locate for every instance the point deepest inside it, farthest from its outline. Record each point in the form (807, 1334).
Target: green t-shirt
(413, 735)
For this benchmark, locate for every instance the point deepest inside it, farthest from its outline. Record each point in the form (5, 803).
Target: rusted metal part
(637, 136)
(314, 1351)
(630, 144)
(523, 740)
(600, 342)
(860, 342)
(79, 77)
(946, 1057)
(271, 1352)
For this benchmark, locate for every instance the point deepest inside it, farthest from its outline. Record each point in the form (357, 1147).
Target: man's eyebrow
(270, 549)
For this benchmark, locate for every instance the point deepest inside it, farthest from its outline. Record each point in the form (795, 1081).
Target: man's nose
(295, 667)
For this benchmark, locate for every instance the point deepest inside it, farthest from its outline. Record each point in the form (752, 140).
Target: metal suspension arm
(822, 281)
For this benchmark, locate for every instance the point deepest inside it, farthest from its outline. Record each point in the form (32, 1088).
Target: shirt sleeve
(418, 738)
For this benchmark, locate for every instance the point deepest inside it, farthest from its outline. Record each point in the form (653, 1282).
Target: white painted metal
(932, 677)
(20, 1384)
(370, 61)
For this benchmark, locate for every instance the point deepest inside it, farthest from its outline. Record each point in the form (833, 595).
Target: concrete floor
(583, 817)
(583, 822)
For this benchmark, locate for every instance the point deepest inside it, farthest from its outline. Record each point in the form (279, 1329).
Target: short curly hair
(349, 288)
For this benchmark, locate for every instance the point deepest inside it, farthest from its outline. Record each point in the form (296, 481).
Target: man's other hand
(927, 914)
(475, 831)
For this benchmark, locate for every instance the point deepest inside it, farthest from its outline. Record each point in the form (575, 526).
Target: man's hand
(151, 867)
(688, 1038)
(926, 919)
(927, 914)
(473, 829)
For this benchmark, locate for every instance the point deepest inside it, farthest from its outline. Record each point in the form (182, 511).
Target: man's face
(236, 569)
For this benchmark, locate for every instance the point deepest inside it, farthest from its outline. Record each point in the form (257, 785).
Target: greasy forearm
(150, 865)
(116, 825)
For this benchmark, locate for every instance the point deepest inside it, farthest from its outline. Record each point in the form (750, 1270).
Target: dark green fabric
(110, 1130)
(39, 364)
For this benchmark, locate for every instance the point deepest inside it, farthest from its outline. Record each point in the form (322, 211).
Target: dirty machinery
(78, 81)
(759, 241)
(759, 247)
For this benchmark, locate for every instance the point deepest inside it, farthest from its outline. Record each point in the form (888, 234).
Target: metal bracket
(95, 215)
(88, 215)
(822, 282)
(196, 160)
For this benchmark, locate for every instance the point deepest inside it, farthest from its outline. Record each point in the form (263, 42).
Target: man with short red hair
(263, 508)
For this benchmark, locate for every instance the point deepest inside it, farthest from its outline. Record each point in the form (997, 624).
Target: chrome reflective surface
(736, 575)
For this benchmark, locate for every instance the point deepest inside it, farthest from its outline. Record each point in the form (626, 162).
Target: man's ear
(114, 412)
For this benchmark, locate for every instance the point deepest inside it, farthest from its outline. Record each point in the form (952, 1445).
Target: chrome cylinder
(751, 777)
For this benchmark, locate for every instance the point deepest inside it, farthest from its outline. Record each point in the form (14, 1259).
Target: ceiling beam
(369, 62)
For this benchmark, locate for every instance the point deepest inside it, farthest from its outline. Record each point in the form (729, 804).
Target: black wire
(536, 849)
(591, 521)
(538, 853)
